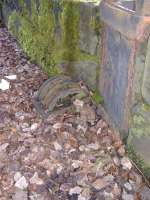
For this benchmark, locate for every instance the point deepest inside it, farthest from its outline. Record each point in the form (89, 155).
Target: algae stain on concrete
(50, 34)
(139, 138)
(36, 33)
(70, 24)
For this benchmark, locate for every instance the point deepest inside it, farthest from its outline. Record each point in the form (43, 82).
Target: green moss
(139, 161)
(97, 98)
(36, 33)
(80, 56)
(140, 124)
(138, 119)
(146, 107)
(70, 25)
(137, 130)
(81, 95)
(11, 23)
(96, 23)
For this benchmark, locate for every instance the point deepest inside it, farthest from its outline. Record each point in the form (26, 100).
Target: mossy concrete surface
(138, 143)
(60, 35)
(146, 79)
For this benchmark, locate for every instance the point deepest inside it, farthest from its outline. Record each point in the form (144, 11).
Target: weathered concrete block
(89, 29)
(139, 67)
(114, 75)
(125, 73)
(139, 131)
(83, 70)
(87, 71)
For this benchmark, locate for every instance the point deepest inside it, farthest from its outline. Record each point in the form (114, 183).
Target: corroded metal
(50, 83)
(52, 91)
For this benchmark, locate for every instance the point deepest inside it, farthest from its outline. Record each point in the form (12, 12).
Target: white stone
(59, 169)
(24, 125)
(57, 146)
(11, 77)
(4, 146)
(116, 161)
(17, 176)
(4, 85)
(34, 127)
(78, 104)
(128, 186)
(82, 128)
(36, 180)
(93, 146)
(22, 183)
(71, 151)
(76, 164)
(126, 163)
(99, 131)
(75, 190)
(82, 148)
(57, 125)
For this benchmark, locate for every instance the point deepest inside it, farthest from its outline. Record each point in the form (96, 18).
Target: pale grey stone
(75, 190)
(22, 183)
(20, 195)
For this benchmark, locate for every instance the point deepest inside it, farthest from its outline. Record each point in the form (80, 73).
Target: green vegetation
(36, 31)
(97, 98)
(139, 162)
(70, 24)
(36, 34)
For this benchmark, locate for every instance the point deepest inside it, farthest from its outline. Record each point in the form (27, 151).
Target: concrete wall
(62, 36)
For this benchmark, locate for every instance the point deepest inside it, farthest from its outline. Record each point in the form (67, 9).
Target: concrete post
(125, 72)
